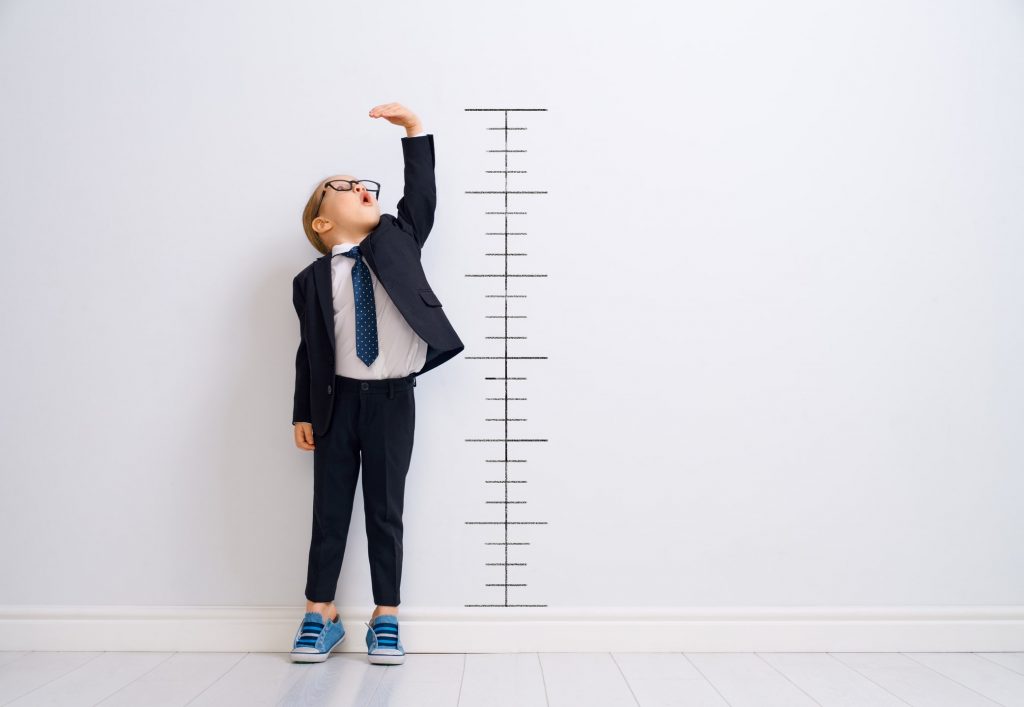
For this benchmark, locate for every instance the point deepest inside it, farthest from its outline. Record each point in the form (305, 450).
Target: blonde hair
(307, 218)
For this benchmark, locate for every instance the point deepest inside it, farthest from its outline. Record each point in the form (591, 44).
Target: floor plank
(32, 670)
(912, 682)
(830, 682)
(592, 679)
(998, 683)
(748, 680)
(667, 680)
(424, 680)
(93, 680)
(502, 680)
(176, 681)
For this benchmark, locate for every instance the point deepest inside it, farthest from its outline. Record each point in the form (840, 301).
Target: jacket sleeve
(419, 197)
(300, 407)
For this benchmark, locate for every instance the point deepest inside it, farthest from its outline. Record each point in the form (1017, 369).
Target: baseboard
(456, 630)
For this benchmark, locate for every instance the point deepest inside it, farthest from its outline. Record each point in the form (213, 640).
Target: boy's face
(354, 212)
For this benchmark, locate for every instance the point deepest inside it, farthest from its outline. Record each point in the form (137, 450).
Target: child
(369, 324)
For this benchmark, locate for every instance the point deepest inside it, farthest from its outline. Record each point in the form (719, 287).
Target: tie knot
(353, 252)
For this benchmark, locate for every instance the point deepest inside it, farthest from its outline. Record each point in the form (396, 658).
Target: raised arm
(419, 195)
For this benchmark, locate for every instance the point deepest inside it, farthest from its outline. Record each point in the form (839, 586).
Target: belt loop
(391, 389)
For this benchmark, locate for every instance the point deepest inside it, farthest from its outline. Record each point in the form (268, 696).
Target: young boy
(369, 324)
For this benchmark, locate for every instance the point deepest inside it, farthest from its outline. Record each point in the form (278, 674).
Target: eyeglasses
(347, 185)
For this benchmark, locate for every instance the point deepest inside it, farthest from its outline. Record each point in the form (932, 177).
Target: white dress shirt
(400, 350)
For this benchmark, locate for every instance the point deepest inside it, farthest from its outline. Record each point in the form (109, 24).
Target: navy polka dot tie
(366, 309)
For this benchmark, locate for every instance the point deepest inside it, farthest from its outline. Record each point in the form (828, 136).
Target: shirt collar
(342, 248)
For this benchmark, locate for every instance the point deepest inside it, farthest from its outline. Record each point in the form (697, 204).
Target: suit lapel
(322, 278)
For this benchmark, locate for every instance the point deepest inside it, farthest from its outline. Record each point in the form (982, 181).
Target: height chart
(506, 553)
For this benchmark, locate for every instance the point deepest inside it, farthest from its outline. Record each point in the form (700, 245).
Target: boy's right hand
(304, 435)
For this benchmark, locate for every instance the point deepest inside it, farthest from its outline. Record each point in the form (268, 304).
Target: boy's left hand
(397, 114)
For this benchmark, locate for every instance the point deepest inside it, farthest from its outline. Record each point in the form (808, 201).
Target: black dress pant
(374, 418)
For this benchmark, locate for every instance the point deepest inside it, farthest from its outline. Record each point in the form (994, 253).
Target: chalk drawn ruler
(513, 550)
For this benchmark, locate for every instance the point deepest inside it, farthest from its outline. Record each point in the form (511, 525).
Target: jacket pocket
(429, 297)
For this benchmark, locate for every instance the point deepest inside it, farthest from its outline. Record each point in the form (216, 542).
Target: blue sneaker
(315, 639)
(383, 646)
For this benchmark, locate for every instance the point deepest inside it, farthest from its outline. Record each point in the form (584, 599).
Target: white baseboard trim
(458, 630)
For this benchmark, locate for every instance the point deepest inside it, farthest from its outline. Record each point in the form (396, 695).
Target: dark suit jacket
(392, 250)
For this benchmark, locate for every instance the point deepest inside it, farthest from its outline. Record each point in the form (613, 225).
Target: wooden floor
(516, 679)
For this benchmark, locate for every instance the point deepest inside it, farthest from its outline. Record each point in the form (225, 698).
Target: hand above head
(398, 114)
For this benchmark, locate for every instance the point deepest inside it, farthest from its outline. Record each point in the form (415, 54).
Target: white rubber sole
(385, 659)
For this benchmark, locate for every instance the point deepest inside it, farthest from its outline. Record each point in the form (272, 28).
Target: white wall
(782, 310)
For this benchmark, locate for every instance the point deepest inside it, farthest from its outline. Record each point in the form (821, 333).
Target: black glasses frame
(351, 185)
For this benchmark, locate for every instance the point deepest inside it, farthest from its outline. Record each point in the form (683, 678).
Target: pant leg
(335, 473)
(386, 427)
